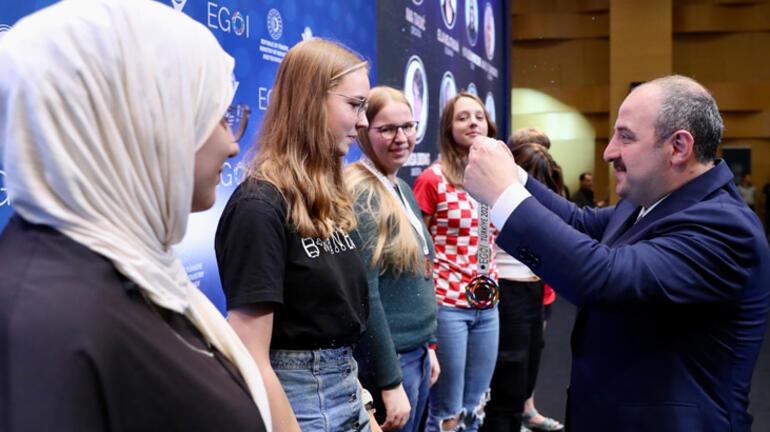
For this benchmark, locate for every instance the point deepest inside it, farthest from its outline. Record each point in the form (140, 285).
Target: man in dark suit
(672, 282)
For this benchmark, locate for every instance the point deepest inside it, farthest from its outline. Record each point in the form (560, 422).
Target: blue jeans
(415, 372)
(415, 368)
(322, 388)
(467, 352)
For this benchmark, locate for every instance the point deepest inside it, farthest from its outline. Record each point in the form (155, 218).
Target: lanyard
(484, 250)
(482, 292)
(413, 219)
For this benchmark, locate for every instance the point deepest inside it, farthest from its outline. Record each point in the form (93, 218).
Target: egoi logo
(221, 18)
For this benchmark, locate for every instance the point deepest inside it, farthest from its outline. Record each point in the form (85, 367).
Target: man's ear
(682, 151)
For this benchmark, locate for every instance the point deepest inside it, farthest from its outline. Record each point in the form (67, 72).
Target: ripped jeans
(467, 352)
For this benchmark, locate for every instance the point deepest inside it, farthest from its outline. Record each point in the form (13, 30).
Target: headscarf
(103, 104)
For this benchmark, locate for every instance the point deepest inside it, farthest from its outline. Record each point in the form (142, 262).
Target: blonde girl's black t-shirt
(317, 286)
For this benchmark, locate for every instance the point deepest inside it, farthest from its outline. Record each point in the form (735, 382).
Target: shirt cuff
(506, 203)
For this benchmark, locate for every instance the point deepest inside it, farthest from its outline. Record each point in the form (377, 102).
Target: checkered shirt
(454, 228)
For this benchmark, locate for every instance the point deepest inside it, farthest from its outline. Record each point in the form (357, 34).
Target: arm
(696, 255)
(591, 221)
(254, 325)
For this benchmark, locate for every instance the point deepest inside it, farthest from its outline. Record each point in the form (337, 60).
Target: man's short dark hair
(583, 175)
(687, 105)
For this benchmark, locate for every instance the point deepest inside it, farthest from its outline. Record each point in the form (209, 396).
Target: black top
(81, 349)
(318, 287)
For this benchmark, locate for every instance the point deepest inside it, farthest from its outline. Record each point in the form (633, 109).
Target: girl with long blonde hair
(294, 282)
(467, 335)
(394, 355)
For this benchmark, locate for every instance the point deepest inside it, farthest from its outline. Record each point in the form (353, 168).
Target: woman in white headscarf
(111, 132)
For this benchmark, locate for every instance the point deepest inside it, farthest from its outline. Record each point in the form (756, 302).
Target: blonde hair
(395, 247)
(453, 158)
(296, 148)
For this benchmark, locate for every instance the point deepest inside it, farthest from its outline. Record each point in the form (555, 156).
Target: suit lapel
(624, 217)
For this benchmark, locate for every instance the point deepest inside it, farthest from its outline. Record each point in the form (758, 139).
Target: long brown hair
(538, 162)
(395, 246)
(454, 158)
(296, 147)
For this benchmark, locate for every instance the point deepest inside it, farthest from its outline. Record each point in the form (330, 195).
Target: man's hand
(435, 368)
(491, 169)
(397, 408)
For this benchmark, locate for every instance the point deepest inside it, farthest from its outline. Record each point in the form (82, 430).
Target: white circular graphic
(449, 12)
(489, 104)
(417, 2)
(472, 21)
(472, 89)
(274, 24)
(489, 31)
(447, 91)
(416, 91)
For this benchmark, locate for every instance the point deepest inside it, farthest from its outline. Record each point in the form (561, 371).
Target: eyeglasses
(237, 117)
(389, 131)
(356, 103)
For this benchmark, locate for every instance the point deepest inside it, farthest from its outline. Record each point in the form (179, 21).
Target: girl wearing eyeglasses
(394, 356)
(467, 333)
(294, 281)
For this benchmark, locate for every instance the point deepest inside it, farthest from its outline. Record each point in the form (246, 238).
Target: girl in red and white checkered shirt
(467, 337)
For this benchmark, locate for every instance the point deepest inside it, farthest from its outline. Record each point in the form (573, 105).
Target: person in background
(748, 191)
(528, 135)
(100, 327)
(584, 196)
(294, 282)
(671, 282)
(394, 355)
(467, 337)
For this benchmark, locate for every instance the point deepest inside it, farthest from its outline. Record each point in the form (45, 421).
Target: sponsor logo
(178, 4)
(274, 24)
(222, 19)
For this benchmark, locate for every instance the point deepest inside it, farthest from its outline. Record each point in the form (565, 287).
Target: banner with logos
(432, 49)
(418, 46)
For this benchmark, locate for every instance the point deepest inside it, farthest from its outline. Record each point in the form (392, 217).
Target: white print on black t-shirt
(332, 245)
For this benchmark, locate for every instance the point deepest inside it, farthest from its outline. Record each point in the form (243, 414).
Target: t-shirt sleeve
(251, 252)
(426, 191)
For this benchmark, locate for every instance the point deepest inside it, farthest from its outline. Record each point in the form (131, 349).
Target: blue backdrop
(465, 40)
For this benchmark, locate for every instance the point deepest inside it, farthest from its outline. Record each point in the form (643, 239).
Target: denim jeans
(415, 368)
(415, 372)
(322, 388)
(467, 351)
